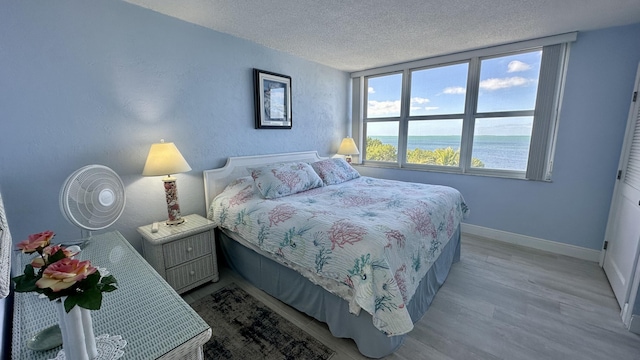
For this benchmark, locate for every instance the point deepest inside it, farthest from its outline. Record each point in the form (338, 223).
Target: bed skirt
(294, 289)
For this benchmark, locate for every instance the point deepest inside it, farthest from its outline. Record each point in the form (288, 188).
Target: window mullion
(405, 105)
(504, 114)
(364, 113)
(468, 123)
(358, 96)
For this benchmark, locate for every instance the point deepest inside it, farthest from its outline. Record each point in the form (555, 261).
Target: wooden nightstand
(184, 254)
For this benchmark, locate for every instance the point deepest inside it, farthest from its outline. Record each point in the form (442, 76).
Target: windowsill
(502, 174)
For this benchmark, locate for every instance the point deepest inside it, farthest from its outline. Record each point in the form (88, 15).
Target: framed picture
(273, 100)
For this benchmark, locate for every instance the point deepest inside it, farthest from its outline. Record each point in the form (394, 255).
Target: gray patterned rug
(245, 328)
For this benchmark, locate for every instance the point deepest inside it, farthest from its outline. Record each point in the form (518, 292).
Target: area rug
(245, 328)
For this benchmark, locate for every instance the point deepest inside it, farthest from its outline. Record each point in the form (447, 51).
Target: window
(383, 99)
(487, 112)
(434, 128)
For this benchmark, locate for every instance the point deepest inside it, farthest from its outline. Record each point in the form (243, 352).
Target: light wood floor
(499, 302)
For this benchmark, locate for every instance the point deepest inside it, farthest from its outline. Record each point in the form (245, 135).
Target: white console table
(145, 310)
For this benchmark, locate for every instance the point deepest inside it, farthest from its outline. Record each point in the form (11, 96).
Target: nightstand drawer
(191, 272)
(189, 248)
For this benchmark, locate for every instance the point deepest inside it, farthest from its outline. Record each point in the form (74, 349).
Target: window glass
(434, 142)
(509, 83)
(440, 90)
(383, 96)
(502, 143)
(382, 141)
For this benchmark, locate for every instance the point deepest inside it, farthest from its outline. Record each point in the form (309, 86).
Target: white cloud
(503, 83)
(416, 109)
(422, 110)
(371, 90)
(515, 66)
(383, 108)
(419, 100)
(455, 90)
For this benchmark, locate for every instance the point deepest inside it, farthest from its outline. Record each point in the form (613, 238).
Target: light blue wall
(98, 82)
(573, 209)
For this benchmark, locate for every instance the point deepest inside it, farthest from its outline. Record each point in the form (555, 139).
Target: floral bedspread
(376, 237)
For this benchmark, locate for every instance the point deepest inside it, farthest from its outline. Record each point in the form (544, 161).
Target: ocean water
(496, 152)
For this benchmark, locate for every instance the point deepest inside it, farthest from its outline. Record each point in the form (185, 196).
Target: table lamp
(165, 159)
(348, 147)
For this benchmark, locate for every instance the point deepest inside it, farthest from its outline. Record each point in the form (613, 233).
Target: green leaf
(25, 283)
(52, 295)
(18, 279)
(90, 282)
(108, 288)
(28, 271)
(107, 284)
(69, 303)
(90, 299)
(109, 280)
(59, 255)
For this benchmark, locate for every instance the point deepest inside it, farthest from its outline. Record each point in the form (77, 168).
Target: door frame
(627, 310)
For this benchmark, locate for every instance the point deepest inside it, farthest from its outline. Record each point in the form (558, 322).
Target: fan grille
(93, 197)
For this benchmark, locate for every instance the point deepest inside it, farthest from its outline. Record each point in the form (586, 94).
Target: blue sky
(506, 83)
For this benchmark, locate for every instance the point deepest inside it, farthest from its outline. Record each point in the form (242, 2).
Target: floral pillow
(335, 171)
(278, 180)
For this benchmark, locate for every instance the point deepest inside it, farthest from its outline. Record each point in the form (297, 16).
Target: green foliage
(27, 281)
(475, 162)
(442, 157)
(378, 151)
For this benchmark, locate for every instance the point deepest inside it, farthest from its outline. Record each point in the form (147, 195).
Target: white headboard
(216, 180)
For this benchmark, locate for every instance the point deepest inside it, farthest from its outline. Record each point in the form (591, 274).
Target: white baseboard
(532, 242)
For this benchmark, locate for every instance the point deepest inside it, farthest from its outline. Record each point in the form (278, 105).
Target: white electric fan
(92, 198)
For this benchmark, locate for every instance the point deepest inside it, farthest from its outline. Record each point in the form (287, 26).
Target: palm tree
(378, 151)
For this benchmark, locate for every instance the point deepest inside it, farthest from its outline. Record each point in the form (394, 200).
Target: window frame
(543, 139)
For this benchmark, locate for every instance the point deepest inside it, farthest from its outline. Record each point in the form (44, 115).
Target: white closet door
(623, 227)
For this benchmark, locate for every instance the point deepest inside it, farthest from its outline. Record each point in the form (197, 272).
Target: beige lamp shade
(348, 147)
(164, 159)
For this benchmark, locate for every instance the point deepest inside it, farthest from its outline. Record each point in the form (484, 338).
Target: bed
(365, 256)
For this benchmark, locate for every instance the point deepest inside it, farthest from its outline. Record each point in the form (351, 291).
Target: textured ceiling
(357, 35)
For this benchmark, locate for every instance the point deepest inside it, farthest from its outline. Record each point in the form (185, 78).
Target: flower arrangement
(56, 274)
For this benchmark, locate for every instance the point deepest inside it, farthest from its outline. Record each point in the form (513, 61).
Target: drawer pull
(192, 272)
(189, 249)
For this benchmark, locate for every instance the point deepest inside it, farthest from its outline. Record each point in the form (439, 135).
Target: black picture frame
(272, 100)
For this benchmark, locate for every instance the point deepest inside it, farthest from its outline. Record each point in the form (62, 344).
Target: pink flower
(65, 273)
(35, 241)
(39, 262)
